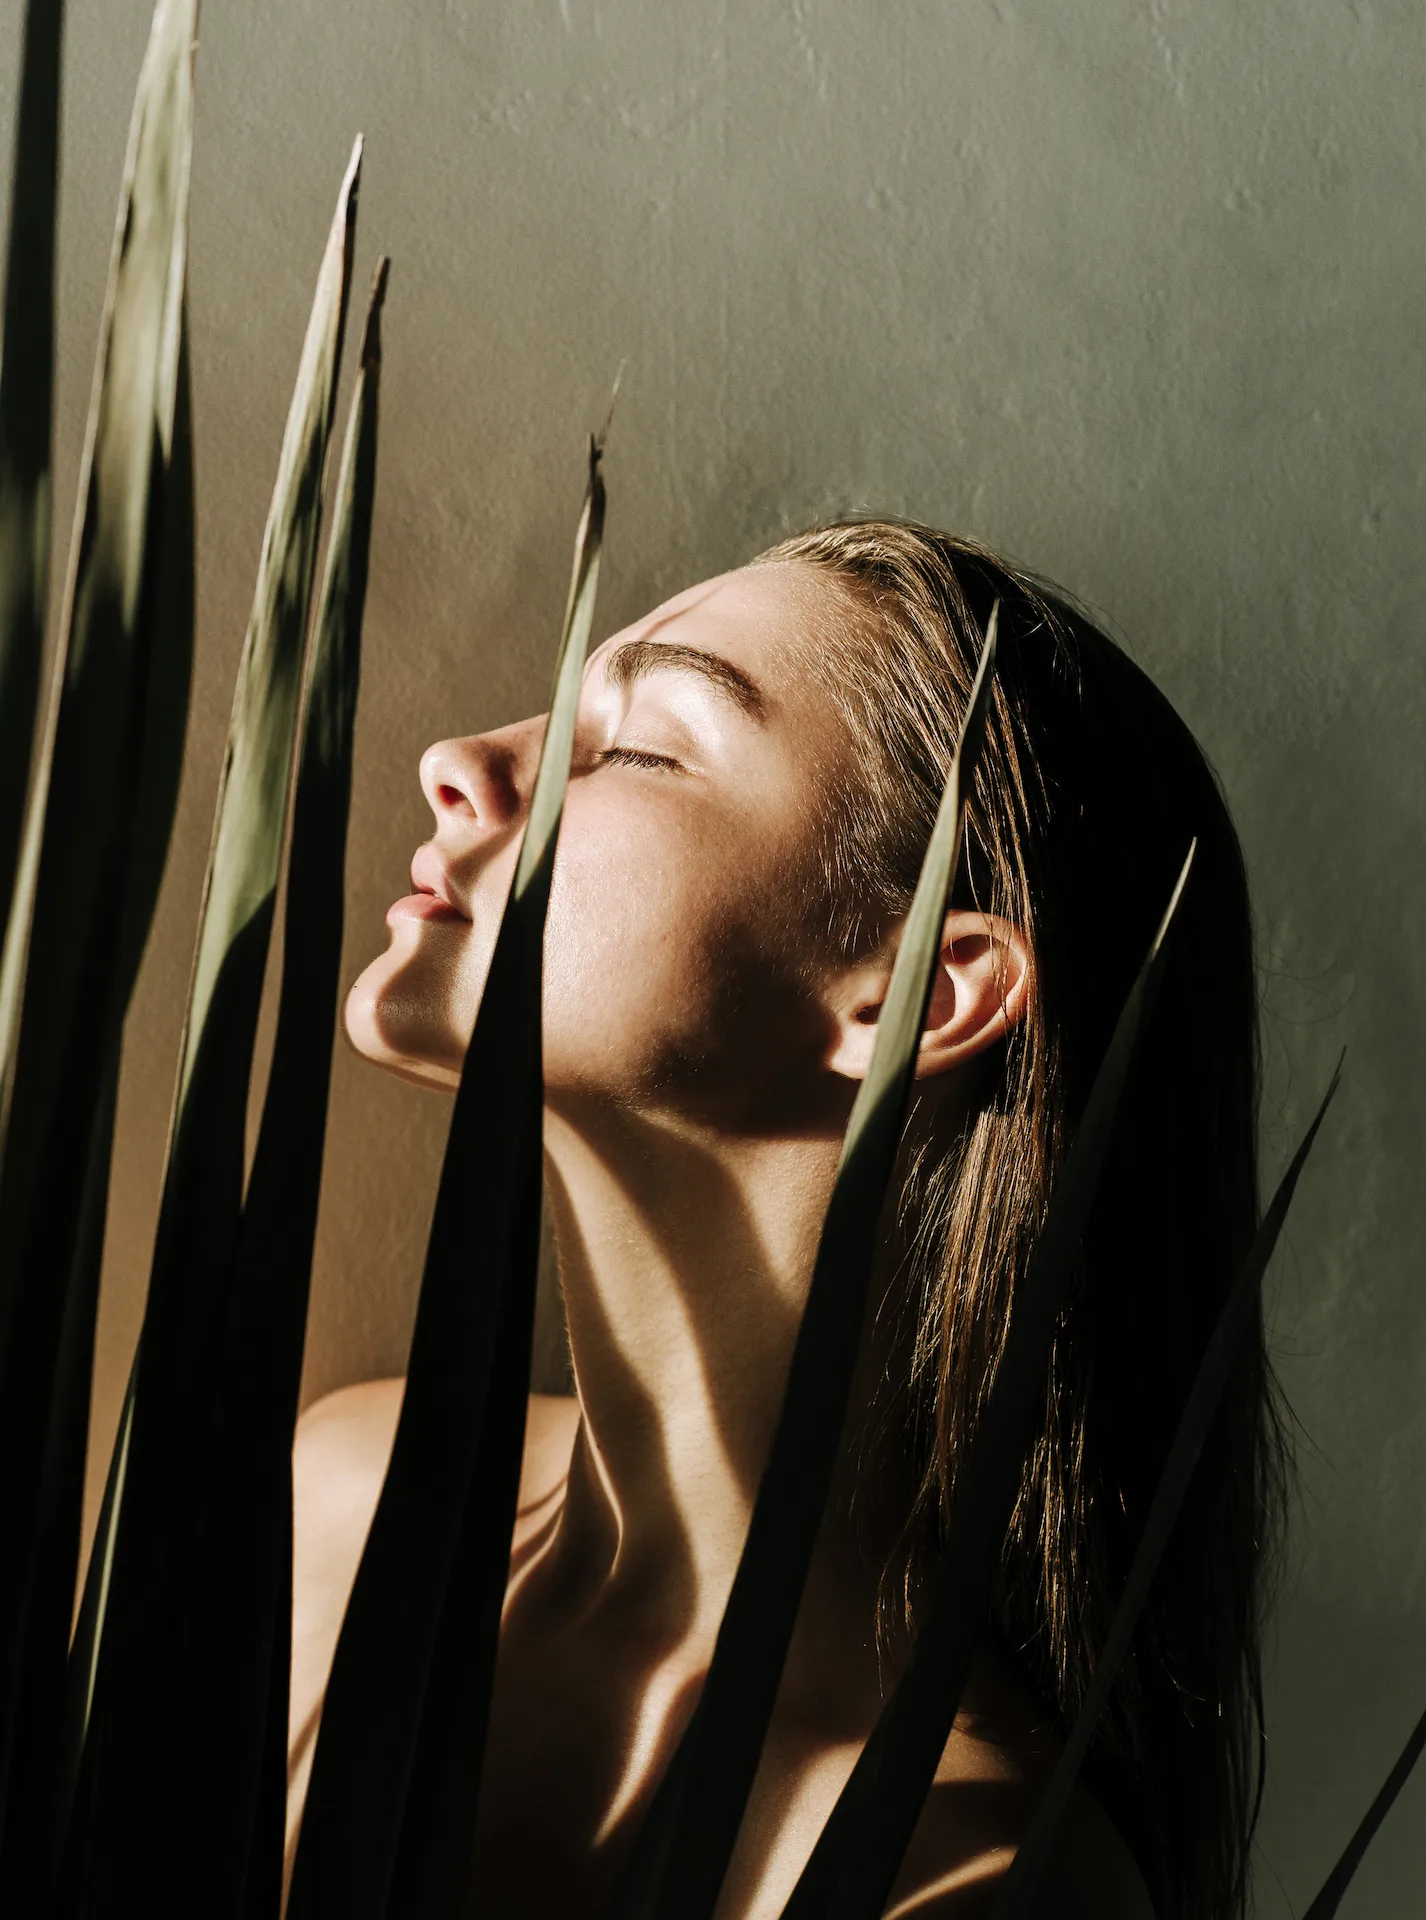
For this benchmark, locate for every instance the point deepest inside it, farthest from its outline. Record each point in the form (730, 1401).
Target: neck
(685, 1262)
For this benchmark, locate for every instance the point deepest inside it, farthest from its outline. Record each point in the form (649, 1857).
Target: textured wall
(1135, 290)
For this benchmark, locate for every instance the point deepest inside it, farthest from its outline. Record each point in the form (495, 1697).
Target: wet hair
(1089, 791)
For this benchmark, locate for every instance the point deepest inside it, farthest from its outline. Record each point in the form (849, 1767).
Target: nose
(484, 780)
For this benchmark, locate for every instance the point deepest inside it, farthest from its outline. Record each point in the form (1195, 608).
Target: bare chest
(580, 1735)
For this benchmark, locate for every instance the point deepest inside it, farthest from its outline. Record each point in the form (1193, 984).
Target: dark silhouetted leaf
(26, 408)
(425, 1607)
(83, 899)
(855, 1862)
(131, 1760)
(46, 1734)
(677, 1865)
(1017, 1895)
(236, 1636)
(1327, 1902)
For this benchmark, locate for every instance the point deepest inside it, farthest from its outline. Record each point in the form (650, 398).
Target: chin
(390, 1028)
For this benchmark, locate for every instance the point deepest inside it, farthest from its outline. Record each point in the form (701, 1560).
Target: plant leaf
(82, 900)
(1330, 1898)
(468, 1338)
(237, 1626)
(850, 1873)
(679, 1858)
(1032, 1857)
(131, 1761)
(42, 1789)
(26, 415)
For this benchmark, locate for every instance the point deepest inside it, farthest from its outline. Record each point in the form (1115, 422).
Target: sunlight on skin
(665, 1685)
(646, 1321)
(927, 1901)
(701, 1052)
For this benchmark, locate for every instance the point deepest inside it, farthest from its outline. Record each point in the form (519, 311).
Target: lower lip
(424, 906)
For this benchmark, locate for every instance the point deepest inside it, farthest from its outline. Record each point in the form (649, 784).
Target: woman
(756, 772)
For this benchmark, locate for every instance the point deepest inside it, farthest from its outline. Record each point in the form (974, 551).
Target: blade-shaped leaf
(371, 1720)
(82, 900)
(1325, 1906)
(132, 1761)
(242, 873)
(42, 1787)
(26, 410)
(1017, 1894)
(678, 1861)
(434, 1854)
(851, 1870)
(237, 1614)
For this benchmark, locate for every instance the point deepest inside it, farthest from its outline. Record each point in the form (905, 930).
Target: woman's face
(684, 949)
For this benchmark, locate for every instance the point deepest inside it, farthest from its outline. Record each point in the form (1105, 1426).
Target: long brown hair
(1089, 791)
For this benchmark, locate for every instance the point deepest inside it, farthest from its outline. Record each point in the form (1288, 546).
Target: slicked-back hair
(1089, 791)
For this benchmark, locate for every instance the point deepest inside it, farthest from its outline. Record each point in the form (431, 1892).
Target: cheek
(668, 963)
(622, 980)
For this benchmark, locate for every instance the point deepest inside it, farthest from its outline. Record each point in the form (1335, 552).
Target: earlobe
(983, 987)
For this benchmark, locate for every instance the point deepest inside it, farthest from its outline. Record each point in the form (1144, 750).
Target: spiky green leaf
(439, 1541)
(851, 1870)
(678, 1862)
(1016, 1898)
(26, 411)
(237, 1611)
(88, 874)
(131, 1759)
(1325, 1906)
(46, 1731)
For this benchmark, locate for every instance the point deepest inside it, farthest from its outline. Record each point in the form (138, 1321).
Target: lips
(431, 897)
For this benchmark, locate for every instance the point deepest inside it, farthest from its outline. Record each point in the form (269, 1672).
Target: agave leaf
(434, 1853)
(26, 410)
(237, 1636)
(242, 874)
(82, 899)
(131, 1760)
(1017, 1894)
(851, 1870)
(42, 1788)
(165, 727)
(470, 1334)
(678, 1861)
(1325, 1906)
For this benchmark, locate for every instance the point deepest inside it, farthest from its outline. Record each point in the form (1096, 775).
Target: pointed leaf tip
(595, 483)
(978, 707)
(371, 339)
(1172, 908)
(602, 436)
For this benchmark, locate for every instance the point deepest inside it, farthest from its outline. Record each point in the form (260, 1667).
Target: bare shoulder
(1093, 1875)
(995, 1766)
(550, 1427)
(339, 1459)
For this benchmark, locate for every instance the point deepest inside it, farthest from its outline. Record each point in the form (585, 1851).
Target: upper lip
(428, 875)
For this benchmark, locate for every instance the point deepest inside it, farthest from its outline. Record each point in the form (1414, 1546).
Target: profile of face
(687, 957)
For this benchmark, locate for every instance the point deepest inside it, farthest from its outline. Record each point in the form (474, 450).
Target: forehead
(759, 618)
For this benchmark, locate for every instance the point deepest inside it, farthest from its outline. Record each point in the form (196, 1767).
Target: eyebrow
(636, 658)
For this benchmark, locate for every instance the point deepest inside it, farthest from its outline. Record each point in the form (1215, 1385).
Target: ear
(981, 990)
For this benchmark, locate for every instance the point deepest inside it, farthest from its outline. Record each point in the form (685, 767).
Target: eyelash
(636, 757)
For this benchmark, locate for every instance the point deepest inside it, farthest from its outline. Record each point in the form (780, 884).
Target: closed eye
(638, 757)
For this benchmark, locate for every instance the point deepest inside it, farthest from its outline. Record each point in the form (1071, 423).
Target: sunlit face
(683, 947)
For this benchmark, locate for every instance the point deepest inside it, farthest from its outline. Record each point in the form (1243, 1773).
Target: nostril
(451, 796)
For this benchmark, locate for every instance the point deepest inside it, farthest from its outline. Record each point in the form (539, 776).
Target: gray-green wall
(1133, 289)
